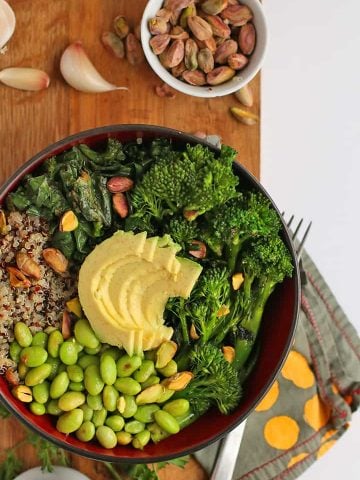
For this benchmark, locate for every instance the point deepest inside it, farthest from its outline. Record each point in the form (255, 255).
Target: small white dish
(238, 81)
(59, 473)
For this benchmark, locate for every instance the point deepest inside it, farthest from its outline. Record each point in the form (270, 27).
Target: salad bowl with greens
(149, 293)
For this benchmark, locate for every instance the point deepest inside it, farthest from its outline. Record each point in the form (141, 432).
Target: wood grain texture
(31, 121)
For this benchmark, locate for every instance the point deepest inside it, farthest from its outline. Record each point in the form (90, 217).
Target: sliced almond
(193, 333)
(229, 353)
(74, 306)
(237, 280)
(223, 310)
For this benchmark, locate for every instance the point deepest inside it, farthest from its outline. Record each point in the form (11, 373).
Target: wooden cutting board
(31, 121)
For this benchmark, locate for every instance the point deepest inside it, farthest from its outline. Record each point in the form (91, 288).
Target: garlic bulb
(80, 73)
(25, 78)
(7, 23)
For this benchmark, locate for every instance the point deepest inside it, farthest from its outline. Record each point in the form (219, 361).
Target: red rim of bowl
(93, 137)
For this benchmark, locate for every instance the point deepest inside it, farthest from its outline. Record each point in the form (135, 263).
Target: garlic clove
(7, 23)
(80, 73)
(25, 78)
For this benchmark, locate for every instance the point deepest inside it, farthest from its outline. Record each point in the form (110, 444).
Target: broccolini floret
(182, 231)
(215, 381)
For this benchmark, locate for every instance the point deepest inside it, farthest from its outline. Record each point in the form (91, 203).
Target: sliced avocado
(186, 277)
(149, 248)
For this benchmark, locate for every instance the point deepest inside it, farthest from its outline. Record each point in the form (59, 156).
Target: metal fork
(229, 447)
(299, 248)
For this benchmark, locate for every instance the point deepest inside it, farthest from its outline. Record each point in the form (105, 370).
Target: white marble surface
(311, 154)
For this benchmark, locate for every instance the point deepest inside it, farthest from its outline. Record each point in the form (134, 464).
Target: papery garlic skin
(80, 73)
(25, 78)
(7, 23)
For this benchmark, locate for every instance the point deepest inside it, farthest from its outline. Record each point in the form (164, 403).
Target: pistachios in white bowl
(205, 49)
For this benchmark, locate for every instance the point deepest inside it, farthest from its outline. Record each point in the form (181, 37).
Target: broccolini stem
(112, 471)
(233, 255)
(243, 348)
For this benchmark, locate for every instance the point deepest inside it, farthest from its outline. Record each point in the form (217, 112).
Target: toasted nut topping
(68, 222)
(119, 184)
(121, 26)
(243, 116)
(193, 333)
(120, 204)
(17, 279)
(179, 381)
(74, 306)
(165, 353)
(237, 280)
(12, 377)
(55, 259)
(27, 265)
(3, 223)
(22, 393)
(223, 310)
(191, 214)
(66, 325)
(198, 249)
(229, 353)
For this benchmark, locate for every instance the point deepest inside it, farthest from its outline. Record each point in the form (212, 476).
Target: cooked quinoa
(40, 305)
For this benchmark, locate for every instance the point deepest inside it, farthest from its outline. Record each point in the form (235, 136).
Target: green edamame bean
(145, 413)
(53, 409)
(141, 439)
(41, 392)
(146, 369)
(37, 408)
(79, 347)
(110, 396)
(166, 422)
(86, 432)
(70, 400)
(99, 417)
(54, 341)
(76, 373)
(115, 422)
(169, 369)
(156, 433)
(84, 334)
(15, 351)
(68, 353)
(87, 360)
(94, 401)
(92, 380)
(134, 426)
(59, 385)
(127, 365)
(33, 356)
(127, 406)
(40, 339)
(22, 334)
(69, 422)
(123, 438)
(114, 352)
(152, 380)
(76, 386)
(108, 369)
(106, 437)
(166, 395)
(37, 375)
(127, 385)
(22, 370)
(55, 364)
(92, 351)
(88, 412)
(177, 407)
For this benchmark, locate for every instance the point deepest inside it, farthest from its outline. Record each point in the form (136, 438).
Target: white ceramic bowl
(239, 80)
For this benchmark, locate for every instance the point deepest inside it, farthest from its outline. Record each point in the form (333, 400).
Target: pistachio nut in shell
(213, 7)
(158, 25)
(195, 77)
(218, 26)
(158, 43)
(244, 116)
(174, 54)
(205, 60)
(191, 52)
(237, 61)
(245, 96)
(237, 15)
(200, 28)
(247, 39)
(224, 50)
(220, 75)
